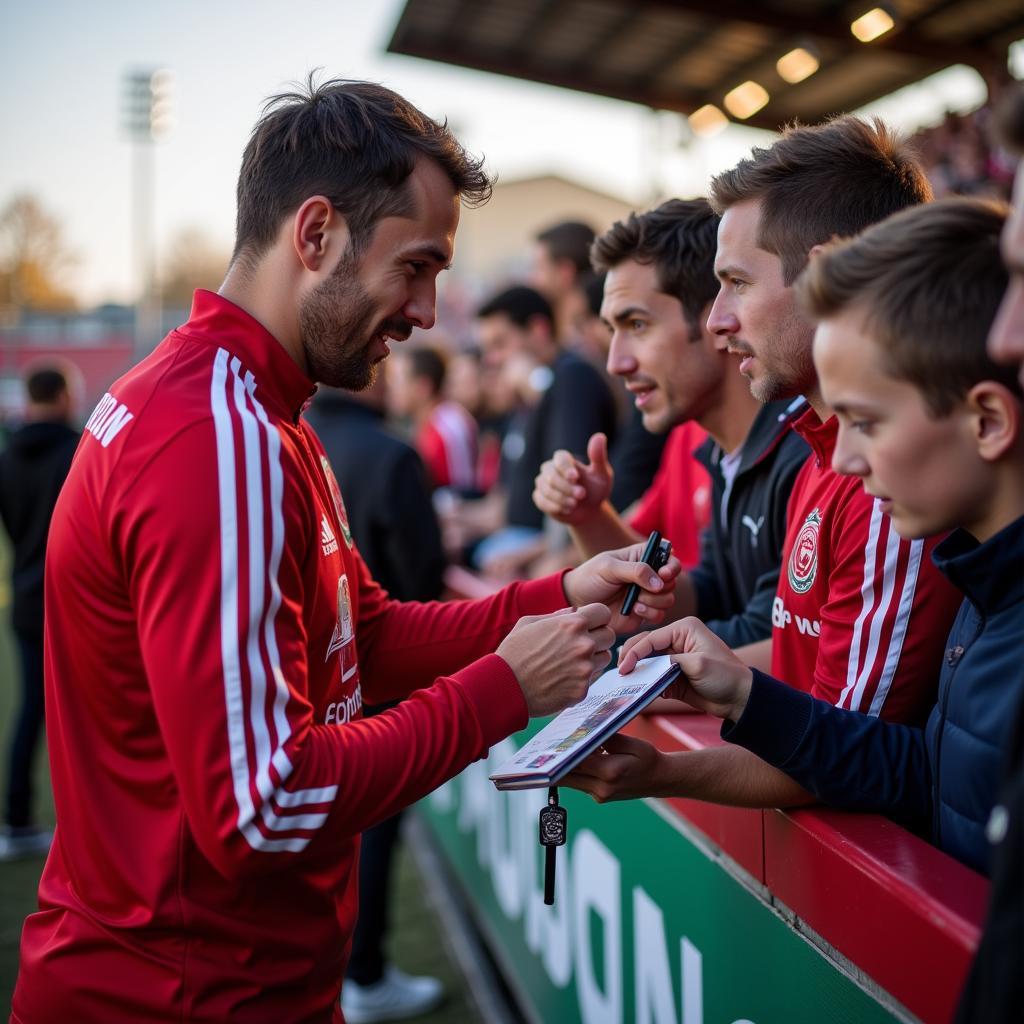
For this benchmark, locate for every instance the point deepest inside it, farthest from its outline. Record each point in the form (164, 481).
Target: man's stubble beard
(793, 373)
(336, 325)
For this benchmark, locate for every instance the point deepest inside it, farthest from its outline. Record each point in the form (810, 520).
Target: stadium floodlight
(147, 104)
(146, 117)
(161, 110)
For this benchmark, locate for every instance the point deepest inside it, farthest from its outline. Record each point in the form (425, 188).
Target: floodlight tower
(147, 114)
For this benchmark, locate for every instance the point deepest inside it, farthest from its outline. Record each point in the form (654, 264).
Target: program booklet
(579, 730)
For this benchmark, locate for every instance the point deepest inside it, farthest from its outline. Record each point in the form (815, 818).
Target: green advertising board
(648, 925)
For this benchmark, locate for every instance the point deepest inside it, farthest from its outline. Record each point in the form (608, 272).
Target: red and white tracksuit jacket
(860, 615)
(210, 630)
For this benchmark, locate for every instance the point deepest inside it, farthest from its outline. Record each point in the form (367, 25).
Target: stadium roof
(694, 55)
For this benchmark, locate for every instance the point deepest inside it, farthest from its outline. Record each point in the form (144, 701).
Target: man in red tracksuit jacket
(211, 628)
(859, 613)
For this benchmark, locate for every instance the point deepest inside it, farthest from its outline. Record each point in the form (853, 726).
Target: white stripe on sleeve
(878, 616)
(867, 592)
(899, 631)
(263, 576)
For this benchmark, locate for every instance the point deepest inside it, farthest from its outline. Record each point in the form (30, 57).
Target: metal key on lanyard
(554, 826)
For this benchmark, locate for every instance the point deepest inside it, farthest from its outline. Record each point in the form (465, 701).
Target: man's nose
(421, 309)
(722, 321)
(621, 361)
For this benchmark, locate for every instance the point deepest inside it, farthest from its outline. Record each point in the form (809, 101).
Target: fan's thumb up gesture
(571, 491)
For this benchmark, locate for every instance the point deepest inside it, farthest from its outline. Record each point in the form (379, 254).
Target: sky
(62, 65)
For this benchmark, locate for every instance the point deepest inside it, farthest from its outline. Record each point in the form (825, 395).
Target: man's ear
(995, 418)
(319, 233)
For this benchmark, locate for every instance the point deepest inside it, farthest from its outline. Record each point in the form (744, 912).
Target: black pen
(656, 554)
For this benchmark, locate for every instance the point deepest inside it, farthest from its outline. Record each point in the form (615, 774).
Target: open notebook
(579, 730)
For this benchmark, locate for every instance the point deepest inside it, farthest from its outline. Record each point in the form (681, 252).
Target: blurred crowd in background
(470, 395)
(962, 159)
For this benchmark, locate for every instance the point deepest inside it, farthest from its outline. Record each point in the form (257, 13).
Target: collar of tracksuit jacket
(218, 321)
(770, 427)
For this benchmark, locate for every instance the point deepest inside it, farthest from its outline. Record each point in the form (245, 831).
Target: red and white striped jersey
(210, 631)
(860, 615)
(448, 445)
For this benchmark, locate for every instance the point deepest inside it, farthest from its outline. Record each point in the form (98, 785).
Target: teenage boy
(859, 613)
(934, 429)
(659, 288)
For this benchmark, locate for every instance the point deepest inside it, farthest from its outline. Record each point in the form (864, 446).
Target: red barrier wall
(899, 909)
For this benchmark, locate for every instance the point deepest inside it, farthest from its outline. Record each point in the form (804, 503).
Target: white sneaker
(395, 997)
(24, 841)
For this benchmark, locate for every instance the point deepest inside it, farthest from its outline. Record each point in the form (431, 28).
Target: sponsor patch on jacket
(339, 503)
(343, 639)
(803, 559)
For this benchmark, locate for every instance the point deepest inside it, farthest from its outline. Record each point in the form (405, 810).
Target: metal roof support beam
(996, 60)
(669, 60)
(462, 17)
(1014, 24)
(668, 99)
(605, 39)
(903, 41)
(540, 19)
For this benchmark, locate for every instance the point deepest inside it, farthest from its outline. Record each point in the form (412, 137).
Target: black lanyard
(554, 827)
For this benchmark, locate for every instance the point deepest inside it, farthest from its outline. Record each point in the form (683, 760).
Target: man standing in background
(572, 401)
(394, 526)
(445, 434)
(32, 471)
(561, 262)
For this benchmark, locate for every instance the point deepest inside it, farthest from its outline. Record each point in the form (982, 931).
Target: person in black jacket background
(387, 497)
(565, 400)
(32, 471)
